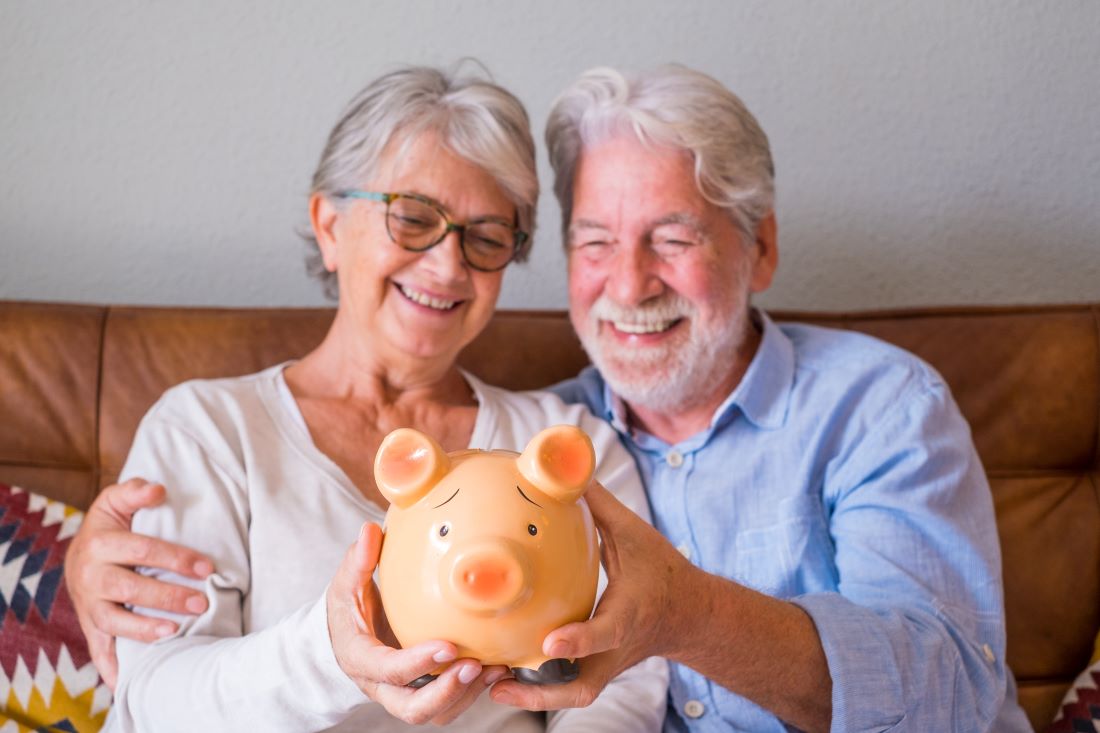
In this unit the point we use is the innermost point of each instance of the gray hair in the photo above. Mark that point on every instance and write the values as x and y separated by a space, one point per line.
670 105
474 118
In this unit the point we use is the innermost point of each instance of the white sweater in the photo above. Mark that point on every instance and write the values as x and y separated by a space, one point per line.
247 486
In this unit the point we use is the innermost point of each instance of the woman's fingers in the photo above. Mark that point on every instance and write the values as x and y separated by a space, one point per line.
488 677
445 697
355 619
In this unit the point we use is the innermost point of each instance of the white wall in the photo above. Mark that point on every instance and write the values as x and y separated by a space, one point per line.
928 153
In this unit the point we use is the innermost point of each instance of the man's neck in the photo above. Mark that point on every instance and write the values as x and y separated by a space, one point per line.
673 426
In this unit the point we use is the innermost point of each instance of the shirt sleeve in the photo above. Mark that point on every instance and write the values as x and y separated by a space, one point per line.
635 700
915 636
211 675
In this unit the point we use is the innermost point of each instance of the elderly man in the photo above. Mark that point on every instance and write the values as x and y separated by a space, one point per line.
829 558
825 554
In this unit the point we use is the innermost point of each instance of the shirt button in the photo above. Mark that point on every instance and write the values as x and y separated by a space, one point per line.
988 653
675 458
694 709
684 550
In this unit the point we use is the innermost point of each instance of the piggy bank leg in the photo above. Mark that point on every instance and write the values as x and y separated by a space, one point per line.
550 672
422 680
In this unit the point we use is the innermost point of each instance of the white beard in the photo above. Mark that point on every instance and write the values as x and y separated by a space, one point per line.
679 373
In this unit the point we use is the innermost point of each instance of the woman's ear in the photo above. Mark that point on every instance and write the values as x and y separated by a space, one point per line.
322 217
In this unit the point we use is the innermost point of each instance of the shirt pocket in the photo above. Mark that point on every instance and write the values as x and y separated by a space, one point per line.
789 556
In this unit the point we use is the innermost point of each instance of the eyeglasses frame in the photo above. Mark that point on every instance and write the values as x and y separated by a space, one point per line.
388 198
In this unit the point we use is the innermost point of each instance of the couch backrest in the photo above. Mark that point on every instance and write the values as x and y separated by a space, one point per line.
75 380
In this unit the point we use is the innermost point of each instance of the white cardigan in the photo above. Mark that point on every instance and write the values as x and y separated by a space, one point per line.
247 487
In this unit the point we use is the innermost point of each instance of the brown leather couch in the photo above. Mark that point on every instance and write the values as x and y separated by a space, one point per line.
75 380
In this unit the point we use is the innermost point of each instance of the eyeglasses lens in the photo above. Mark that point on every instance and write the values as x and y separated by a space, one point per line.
416 225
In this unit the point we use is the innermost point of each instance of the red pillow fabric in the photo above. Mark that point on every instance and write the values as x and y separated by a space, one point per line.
47 680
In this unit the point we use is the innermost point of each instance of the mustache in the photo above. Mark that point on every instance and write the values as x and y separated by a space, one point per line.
665 307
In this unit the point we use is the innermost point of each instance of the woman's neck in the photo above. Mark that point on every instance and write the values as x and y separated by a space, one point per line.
349 369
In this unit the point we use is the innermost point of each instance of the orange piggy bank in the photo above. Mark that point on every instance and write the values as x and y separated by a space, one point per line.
489 550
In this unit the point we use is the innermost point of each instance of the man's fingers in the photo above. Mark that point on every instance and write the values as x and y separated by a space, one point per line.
119 502
595 673
133 550
606 508
101 646
598 634
125 586
112 619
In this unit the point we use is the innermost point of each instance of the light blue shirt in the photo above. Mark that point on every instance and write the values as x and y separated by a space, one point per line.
840 475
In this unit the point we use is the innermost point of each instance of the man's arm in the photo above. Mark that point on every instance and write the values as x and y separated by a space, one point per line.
659 604
914 631
100 575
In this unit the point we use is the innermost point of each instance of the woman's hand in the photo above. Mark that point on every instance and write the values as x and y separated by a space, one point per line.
366 650
100 576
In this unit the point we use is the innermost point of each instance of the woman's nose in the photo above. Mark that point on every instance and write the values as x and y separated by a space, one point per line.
446 260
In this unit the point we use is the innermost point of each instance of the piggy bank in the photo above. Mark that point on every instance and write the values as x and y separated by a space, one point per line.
490 550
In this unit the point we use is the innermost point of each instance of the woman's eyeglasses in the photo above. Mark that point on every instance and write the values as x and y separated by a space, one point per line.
417 223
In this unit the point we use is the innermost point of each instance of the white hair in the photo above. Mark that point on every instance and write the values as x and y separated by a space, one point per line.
675 106
473 117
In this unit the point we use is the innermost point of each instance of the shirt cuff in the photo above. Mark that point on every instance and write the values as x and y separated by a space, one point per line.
321 673
866 680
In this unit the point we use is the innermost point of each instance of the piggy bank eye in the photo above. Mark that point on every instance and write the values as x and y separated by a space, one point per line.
532 530
443 530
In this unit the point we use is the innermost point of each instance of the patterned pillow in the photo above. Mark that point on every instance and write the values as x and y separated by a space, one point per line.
1080 711
47 680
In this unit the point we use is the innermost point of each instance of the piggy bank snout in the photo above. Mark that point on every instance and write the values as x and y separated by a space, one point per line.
486 578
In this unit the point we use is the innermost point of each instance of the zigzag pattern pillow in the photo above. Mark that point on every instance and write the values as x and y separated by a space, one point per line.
47 680
1080 711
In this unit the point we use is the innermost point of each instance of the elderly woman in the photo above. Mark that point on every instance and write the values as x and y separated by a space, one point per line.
425 192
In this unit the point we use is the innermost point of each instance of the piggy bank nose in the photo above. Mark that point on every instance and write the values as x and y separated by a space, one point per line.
487 578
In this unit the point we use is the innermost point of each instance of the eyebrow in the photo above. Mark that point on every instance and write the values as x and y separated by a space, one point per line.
526 497
492 218
452 496
677 217
680 217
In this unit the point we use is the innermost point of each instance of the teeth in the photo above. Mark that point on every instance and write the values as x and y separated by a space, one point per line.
653 327
427 300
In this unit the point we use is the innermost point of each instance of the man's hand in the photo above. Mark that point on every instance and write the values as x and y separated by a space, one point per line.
659 604
100 576
644 574
366 650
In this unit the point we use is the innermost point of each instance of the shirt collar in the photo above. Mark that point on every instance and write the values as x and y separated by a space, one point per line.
763 394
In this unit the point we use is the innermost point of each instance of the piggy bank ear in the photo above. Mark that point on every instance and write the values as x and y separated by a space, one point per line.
408 464
560 461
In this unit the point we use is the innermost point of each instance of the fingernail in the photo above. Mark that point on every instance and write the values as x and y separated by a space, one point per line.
559 649
469 673
196 604
165 630
496 676
444 655
203 568
504 698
